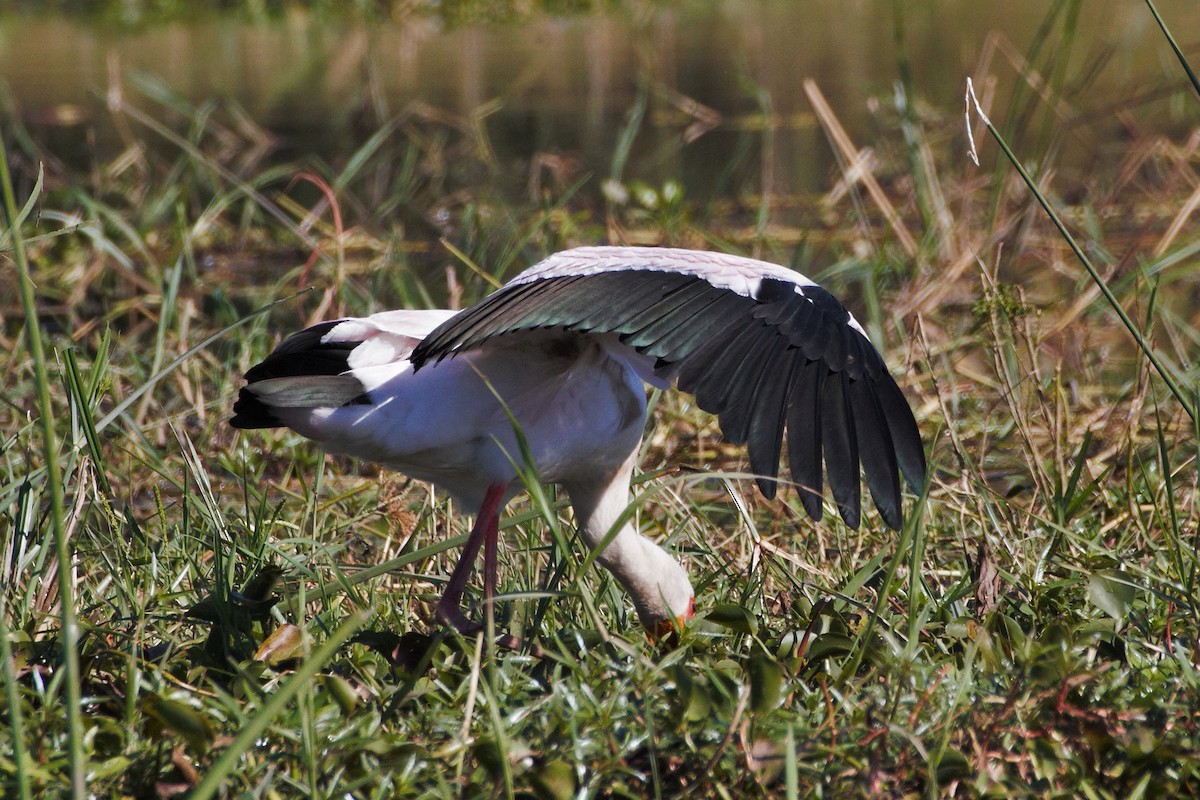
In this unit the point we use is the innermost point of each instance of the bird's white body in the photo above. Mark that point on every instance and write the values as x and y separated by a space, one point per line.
448 423
561 354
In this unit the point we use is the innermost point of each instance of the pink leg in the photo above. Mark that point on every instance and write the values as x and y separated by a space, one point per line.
490 543
486 529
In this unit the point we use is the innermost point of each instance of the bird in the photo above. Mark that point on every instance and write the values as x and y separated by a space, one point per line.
549 373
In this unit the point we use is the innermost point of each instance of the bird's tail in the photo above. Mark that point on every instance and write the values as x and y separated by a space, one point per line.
309 370
250 412
257 402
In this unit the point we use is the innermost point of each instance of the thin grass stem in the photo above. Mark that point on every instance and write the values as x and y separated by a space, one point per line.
16 720
1183 62
69 620
1160 366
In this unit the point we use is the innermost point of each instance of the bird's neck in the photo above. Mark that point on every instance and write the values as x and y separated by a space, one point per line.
657 583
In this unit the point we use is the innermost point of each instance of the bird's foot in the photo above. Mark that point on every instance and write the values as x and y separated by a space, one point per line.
455 618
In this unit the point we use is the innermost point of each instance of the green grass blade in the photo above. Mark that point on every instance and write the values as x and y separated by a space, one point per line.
16 720
360 157
30 204
791 774
629 132
909 534
69 619
255 727
1172 529
78 395
219 170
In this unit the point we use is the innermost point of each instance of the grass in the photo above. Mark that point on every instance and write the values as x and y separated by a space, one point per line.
255 617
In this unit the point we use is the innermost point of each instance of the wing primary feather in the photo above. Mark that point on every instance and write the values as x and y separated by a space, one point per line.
876 450
742 385
840 442
812 319
835 344
765 440
811 332
792 320
906 438
804 433
706 373
861 357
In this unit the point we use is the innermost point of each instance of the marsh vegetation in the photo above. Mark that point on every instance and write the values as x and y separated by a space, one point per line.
188 609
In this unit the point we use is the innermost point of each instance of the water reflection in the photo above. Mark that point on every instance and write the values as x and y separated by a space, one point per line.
715 74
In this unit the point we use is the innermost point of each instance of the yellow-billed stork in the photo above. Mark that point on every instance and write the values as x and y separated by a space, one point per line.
565 348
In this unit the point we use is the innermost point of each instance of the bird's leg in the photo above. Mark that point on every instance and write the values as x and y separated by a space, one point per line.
490 543
486 528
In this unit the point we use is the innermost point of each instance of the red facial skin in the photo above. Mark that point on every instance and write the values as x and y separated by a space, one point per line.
667 631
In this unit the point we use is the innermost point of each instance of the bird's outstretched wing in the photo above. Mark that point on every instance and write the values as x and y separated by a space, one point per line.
760 346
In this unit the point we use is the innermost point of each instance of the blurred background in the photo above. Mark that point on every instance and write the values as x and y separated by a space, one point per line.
712 85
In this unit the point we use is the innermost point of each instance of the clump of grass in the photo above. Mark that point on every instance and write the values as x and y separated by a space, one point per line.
254 617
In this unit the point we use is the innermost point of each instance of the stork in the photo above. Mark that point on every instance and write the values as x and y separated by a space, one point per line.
561 353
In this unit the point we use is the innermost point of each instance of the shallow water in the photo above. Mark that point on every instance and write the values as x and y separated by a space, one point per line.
715 75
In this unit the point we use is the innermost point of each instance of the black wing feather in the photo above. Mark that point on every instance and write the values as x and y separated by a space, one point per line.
708 375
804 433
299 355
743 383
683 311
839 438
906 438
769 413
704 335
877 451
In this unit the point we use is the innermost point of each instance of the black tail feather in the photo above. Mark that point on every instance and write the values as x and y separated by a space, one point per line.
250 412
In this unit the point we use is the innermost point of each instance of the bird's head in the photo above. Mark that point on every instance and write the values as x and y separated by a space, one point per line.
667 629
